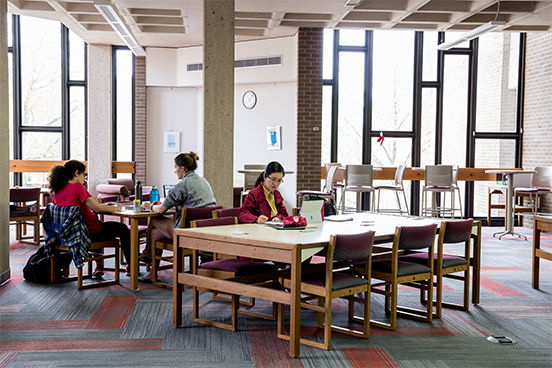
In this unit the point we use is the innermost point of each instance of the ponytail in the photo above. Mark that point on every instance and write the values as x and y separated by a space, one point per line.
61 174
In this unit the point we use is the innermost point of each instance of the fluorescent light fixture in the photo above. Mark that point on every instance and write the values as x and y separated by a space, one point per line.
474 33
353 2
110 14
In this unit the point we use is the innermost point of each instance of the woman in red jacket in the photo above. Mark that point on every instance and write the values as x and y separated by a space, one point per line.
264 202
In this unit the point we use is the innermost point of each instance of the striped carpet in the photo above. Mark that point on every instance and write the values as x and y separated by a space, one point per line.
59 326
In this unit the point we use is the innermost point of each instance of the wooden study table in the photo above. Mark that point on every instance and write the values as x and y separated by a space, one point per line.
540 224
135 239
288 246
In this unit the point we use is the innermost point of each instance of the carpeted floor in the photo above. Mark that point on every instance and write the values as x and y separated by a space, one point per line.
59 326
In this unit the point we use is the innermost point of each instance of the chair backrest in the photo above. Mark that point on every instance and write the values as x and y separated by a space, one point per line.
522 180
438 176
415 237
359 175
542 178
219 221
339 176
399 175
454 180
353 247
250 178
191 214
24 195
455 231
226 212
330 176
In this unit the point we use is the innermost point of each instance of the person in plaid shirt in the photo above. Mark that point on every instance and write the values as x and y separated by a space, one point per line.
67 186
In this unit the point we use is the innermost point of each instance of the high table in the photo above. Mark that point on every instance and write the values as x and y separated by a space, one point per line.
135 239
288 246
509 218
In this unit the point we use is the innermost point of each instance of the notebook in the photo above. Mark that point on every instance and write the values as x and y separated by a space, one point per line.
312 211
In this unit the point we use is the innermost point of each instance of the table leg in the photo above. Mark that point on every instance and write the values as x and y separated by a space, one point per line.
295 304
509 218
178 267
535 267
476 265
134 250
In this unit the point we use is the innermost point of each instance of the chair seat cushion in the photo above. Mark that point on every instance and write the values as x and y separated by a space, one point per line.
448 260
22 214
358 187
313 192
391 187
240 267
339 185
531 190
405 268
437 187
339 280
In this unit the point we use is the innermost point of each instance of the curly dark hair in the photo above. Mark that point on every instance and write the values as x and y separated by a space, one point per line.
61 174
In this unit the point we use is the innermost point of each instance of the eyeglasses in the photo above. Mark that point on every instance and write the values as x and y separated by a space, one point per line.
279 181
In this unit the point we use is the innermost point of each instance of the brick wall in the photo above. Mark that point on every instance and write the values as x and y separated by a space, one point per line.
140 117
309 108
537 119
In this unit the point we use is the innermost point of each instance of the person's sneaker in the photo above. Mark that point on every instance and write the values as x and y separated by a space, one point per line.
127 270
98 273
144 259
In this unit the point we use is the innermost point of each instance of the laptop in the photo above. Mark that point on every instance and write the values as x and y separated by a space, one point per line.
312 211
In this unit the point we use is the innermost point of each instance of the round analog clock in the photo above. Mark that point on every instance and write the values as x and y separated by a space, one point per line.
249 100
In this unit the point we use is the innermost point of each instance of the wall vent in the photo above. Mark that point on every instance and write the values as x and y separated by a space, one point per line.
243 63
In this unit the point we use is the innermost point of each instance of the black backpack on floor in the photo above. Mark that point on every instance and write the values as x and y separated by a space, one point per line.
37 268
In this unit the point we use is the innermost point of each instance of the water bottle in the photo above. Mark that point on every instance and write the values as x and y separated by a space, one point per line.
154 194
138 191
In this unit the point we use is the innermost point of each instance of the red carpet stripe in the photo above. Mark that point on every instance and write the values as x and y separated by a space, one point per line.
369 357
6 358
498 288
42 325
14 308
269 351
81 345
113 313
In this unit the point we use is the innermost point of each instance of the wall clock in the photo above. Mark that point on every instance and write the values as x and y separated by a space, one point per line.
249 100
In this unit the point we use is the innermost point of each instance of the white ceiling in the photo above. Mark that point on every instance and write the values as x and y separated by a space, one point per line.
179 23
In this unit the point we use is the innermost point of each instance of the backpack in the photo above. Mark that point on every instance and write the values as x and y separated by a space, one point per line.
38 265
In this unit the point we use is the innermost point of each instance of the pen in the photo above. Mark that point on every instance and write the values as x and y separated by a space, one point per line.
117 201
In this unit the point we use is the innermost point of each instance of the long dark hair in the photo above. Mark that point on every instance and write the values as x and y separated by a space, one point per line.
188 160
272 167
61 174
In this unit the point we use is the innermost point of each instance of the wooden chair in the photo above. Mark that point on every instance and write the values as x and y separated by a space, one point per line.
26 211
447 265
226 212
328 284
394 272
237 270
187 215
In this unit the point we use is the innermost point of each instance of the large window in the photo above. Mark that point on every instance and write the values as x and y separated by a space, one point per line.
47 97
458 107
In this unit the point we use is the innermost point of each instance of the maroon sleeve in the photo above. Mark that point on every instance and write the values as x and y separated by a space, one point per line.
248 212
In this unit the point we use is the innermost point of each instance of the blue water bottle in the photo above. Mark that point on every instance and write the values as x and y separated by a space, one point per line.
154 194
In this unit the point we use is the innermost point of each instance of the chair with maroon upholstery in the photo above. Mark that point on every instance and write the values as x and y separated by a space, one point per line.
327 284
226 212
187 215
451 232
24 211
394 272
232 268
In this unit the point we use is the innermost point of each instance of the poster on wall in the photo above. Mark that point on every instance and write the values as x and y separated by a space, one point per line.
274 138
171 141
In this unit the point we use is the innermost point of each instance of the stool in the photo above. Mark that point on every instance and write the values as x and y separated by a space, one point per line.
518 206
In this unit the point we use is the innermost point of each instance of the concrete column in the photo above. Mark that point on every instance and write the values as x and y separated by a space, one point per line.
4 149
218 110
99 116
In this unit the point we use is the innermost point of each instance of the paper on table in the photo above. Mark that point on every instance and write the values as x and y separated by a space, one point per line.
338 218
